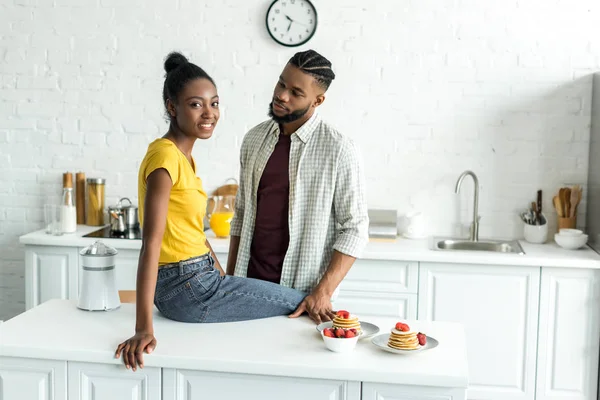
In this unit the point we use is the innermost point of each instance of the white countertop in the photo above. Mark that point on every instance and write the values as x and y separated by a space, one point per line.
544 255
277 346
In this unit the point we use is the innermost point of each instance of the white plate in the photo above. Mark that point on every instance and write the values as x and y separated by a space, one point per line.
368 329
381 341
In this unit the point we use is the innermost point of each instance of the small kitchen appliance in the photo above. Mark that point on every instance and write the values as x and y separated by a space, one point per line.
383 224
98 278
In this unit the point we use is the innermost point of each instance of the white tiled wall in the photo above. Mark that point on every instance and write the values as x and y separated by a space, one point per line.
428 88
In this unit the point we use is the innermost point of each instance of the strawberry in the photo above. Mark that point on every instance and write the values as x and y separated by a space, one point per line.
343 314
339 332
354 331
401 326
350 334
328 332
422 338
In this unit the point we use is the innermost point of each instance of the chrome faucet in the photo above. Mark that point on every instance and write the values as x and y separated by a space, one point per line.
474 232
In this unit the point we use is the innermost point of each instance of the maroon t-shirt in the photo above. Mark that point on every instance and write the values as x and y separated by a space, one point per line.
271 231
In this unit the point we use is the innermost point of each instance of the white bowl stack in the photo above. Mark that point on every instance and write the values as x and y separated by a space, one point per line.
570 239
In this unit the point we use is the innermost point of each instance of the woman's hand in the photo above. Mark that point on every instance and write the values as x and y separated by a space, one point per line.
134 348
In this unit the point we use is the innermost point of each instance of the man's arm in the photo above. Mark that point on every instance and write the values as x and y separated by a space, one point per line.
352 224
234 245
238 218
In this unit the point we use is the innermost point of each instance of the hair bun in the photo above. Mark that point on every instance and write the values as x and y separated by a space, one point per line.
174 60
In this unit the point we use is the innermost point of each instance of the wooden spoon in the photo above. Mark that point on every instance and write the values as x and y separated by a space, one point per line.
579 197
574 201
567 193
563 201
557 206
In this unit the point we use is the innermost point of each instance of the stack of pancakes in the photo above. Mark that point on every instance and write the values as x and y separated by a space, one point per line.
352 322
403 340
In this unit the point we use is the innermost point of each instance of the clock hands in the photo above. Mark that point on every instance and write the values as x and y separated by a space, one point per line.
292 21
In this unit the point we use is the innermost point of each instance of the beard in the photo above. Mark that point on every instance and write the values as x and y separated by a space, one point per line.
290 117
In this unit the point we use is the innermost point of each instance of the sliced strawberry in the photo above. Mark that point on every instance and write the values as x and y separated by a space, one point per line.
350 334
343 314
401 326
422 338
339 332
328 332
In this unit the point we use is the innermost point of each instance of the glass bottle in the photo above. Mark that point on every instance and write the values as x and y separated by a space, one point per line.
68 212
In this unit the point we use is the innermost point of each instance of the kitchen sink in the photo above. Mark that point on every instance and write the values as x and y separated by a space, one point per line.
498 246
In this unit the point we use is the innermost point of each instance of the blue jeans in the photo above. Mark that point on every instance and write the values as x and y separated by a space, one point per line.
193 291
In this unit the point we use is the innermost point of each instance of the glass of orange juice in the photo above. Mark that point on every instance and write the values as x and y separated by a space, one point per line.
221 215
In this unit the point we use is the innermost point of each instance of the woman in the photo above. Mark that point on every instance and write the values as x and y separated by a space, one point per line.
178 271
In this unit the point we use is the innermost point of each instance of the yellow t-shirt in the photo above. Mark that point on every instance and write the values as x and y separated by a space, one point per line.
184 233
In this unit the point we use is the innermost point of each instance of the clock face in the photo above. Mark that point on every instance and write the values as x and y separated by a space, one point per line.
291 22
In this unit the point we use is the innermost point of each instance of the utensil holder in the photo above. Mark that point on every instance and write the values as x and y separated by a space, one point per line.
566 223
535 233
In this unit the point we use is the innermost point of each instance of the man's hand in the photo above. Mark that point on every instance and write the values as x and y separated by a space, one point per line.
317 305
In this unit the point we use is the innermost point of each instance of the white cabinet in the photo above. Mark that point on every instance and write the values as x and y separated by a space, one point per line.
403 306
89 381
380 287
51 272
199 385
568 334
380 391
30 379
382 276
126 263
498 306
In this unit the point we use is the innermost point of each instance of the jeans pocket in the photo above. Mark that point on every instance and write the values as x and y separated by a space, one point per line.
181 305
204 284
167 288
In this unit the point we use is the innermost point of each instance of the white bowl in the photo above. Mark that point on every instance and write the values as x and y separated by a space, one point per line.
570 232
340 345
570 242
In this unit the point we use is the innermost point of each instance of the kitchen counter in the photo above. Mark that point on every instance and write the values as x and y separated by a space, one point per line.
546 255
279 346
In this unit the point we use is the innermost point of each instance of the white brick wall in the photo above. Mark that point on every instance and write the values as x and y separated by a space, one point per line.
428 88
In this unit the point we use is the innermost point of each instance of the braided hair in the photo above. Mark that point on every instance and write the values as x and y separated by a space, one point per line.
178 72
314 64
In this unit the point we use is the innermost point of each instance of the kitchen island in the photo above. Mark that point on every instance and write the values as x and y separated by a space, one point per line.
56 351
546 301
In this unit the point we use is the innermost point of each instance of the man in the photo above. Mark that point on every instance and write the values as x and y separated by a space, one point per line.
301 213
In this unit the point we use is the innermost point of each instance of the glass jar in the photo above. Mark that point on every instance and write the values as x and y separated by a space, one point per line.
95 201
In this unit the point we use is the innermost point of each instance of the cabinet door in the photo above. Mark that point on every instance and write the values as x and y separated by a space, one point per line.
498 306
199 385
50 273
381 391
126 269
402 306
23 378
381 276
569 334
88 381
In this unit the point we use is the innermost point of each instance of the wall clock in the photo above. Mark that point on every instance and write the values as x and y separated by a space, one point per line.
291 22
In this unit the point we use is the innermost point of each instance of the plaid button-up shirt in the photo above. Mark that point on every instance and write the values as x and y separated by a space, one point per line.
327 202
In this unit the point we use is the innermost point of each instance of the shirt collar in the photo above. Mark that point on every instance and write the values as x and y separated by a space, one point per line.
305 132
